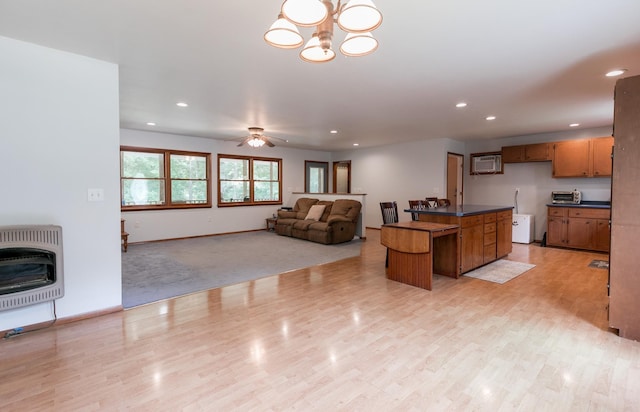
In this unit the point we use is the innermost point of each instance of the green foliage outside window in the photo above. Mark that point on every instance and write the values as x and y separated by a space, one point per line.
145 185
247 180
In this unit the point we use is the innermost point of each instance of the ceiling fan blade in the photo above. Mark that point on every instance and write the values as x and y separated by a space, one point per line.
268 142
245 140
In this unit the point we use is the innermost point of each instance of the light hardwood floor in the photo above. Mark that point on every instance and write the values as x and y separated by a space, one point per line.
343 337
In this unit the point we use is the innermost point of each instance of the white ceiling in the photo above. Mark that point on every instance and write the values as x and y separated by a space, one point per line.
537 65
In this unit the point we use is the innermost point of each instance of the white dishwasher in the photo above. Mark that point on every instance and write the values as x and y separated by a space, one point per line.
522 228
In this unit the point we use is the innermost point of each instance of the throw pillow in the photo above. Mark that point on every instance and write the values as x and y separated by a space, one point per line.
315 213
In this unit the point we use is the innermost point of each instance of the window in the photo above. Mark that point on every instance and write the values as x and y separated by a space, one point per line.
164 179
246 180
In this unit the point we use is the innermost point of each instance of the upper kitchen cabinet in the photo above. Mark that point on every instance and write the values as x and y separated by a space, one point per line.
538 152
583 158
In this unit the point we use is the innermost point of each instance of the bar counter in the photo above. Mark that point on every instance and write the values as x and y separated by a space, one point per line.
464 210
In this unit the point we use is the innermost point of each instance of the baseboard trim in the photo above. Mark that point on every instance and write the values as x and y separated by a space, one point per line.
61 321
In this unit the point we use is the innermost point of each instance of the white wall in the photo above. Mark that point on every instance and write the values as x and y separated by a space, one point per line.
399 172
170 224
59 122
533 179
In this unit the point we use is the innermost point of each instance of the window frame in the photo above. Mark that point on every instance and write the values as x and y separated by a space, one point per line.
167 180
251 180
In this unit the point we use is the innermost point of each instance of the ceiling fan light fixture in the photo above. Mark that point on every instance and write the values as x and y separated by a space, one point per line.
358 44
283 34
359 16
256 142
304 13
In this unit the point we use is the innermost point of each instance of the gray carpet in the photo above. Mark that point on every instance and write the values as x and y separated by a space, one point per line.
161 270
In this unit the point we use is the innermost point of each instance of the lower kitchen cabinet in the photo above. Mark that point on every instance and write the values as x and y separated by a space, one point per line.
484 237
578 228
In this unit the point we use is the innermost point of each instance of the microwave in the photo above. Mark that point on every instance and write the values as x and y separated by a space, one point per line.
573 197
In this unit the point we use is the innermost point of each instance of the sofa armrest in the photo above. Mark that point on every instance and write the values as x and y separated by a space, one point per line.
337 218
286 214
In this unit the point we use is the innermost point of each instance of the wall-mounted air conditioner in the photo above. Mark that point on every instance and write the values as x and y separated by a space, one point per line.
486 163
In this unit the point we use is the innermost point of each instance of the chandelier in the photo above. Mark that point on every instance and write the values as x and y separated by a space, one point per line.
356 17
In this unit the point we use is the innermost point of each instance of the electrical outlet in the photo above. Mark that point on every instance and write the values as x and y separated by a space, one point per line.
517 190
95 195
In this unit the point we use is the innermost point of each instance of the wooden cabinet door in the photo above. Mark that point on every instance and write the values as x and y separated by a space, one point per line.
537 152
602 236
571 158
504 233
580 233
601 152
513 154
472 246
556 231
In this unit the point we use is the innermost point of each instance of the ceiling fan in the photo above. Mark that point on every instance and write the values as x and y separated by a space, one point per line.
257 138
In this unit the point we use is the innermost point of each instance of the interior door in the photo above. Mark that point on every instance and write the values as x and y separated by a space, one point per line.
342 176
455 164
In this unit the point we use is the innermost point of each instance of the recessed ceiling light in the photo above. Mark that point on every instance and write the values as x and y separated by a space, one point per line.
182 104
491 118
461 104
616 72
333 131
574 125
356 144
151 124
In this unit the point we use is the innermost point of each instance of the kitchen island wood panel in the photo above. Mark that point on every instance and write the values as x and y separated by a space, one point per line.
417 250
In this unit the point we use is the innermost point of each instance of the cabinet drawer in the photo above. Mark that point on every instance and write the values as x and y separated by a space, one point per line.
589 213
557 211
468 221
489 253
490 238
489 228
504 215
489 217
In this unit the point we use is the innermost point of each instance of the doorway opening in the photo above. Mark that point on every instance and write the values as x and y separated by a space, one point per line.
342 176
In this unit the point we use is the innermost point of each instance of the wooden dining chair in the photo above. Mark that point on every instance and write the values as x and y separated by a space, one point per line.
417 204
389 215
431 202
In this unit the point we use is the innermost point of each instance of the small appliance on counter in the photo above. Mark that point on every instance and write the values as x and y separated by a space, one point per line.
573 197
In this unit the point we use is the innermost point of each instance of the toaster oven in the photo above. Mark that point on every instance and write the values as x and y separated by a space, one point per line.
573 197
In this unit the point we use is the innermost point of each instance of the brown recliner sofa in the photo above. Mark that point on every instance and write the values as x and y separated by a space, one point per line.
336 224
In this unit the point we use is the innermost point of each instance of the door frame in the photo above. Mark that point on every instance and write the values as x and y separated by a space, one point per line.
455 180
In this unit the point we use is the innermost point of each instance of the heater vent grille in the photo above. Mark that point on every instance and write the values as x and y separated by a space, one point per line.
31 298
34 279
42 235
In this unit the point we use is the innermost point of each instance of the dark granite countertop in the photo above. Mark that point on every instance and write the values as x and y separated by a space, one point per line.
594 204
464 210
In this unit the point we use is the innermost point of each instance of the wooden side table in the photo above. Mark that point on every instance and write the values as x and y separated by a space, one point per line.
124 236
271 224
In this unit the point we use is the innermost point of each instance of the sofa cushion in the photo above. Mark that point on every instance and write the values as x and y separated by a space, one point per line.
327 210
302 224
302 206
347 208
315 212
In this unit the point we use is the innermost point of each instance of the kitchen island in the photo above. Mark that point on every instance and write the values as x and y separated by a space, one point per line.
485 231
